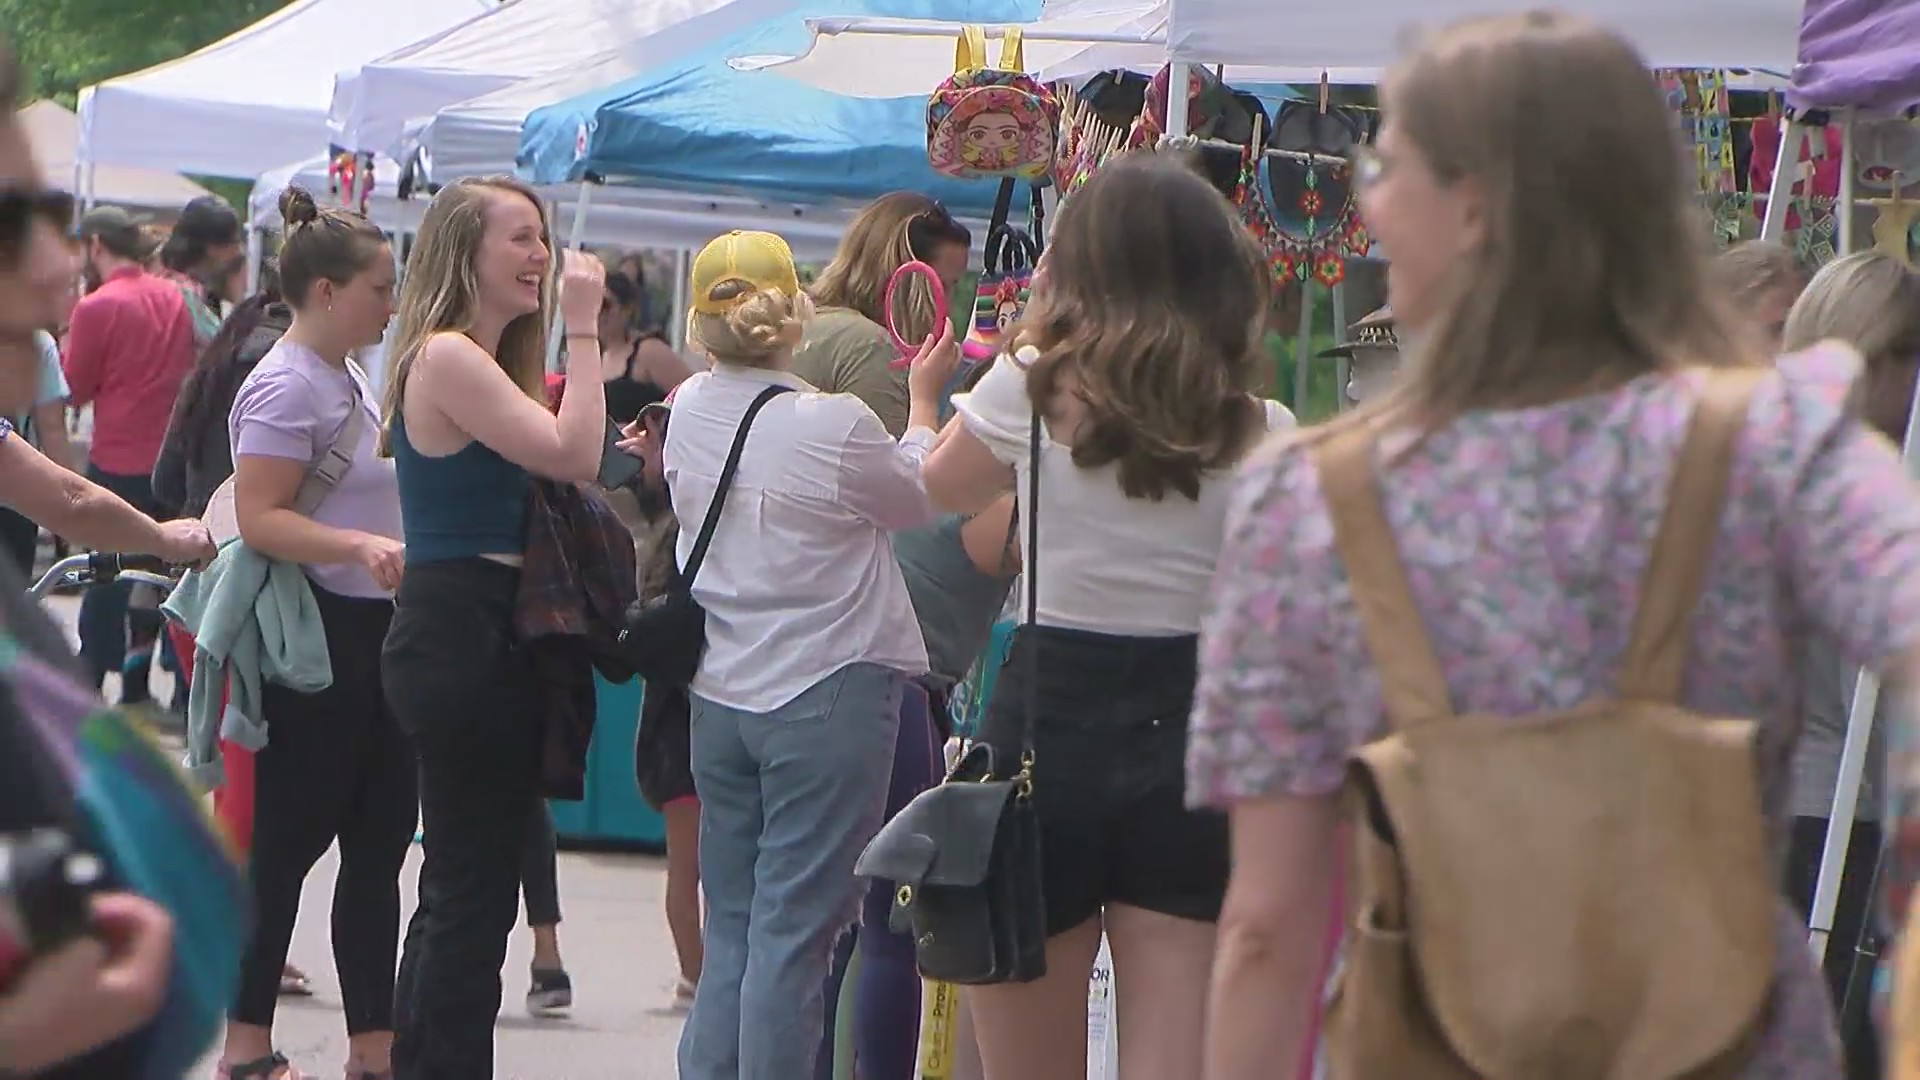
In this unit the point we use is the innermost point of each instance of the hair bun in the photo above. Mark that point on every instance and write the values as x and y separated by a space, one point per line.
297 207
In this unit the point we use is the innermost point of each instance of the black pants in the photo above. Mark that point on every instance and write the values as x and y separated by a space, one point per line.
1109 773
1853 946
540 869
464 693
112 637
335 767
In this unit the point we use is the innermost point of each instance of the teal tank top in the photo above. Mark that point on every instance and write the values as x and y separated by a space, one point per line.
472 502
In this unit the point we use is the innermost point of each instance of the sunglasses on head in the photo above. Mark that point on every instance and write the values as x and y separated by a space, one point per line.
21 207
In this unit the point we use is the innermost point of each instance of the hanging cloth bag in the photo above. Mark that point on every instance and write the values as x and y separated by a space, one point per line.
1006 276
991 121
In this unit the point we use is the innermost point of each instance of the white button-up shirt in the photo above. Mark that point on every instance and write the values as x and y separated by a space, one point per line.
800 579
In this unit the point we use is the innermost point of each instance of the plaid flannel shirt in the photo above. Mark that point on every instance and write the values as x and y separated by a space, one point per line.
576 583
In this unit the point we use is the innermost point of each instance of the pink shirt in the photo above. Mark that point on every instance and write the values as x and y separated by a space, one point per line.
129 347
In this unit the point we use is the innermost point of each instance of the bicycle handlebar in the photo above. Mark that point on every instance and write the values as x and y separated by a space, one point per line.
105 565
95 567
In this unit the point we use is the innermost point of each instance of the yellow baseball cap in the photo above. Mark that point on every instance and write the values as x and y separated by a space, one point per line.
761 259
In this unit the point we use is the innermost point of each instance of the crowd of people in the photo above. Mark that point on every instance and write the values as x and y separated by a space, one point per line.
1215 622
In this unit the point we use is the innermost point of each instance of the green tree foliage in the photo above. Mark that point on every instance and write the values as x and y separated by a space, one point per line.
64 45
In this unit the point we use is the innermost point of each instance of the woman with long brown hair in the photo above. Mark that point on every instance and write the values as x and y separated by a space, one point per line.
468 427
846 349
1550 267
1132 372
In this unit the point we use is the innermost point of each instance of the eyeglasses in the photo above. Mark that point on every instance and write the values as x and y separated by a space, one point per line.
20 207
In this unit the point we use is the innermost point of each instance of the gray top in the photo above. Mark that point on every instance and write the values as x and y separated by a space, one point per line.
955 603
1826 695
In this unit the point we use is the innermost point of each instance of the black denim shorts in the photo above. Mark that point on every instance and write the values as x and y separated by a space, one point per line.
1110 747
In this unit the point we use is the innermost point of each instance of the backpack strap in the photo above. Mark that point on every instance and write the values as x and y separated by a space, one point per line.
1412 686
1656 657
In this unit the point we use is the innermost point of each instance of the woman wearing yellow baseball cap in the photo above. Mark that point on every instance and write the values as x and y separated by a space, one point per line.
811 638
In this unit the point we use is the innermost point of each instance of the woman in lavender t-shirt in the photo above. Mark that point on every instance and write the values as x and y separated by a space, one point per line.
336 765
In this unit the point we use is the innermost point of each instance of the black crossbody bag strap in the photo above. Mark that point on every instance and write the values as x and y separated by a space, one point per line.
720 490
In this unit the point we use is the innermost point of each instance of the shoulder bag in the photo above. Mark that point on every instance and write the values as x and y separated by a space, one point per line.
664 637
965 856
324 473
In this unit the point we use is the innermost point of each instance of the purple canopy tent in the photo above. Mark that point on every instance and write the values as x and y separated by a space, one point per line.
1858 54
1856 57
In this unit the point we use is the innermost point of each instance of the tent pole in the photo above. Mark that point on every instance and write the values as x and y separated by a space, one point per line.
256 255
677 329
1853 753
1177 99
1793 135
1303 350
1341 370
576 235
1844 244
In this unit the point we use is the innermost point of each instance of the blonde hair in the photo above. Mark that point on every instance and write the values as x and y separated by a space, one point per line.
1752 269
879 241
1871 301
441 290
1593 265
1152 319
760 326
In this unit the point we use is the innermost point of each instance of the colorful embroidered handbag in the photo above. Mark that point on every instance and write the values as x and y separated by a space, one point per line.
991 121
1005 277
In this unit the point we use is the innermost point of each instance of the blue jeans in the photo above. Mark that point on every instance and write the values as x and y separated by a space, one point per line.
788 800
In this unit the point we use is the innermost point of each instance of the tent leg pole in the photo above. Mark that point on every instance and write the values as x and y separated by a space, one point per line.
576 235
1341 369
1843 245
1177 107
1303 351
1793 135
1853 755
677 328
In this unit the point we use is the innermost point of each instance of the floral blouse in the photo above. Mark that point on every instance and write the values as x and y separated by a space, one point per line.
1525 535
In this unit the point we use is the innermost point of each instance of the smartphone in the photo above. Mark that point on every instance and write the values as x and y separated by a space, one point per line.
617 467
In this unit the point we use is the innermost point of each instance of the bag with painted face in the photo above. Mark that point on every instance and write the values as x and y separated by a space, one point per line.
991 121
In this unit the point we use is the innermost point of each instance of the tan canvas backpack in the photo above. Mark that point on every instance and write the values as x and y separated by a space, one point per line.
1584 895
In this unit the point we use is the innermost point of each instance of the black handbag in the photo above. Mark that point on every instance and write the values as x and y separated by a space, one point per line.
964 857
664 637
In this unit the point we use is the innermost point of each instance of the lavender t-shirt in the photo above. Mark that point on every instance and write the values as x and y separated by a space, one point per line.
293 405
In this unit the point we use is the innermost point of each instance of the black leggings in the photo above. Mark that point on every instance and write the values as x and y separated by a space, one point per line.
540 869
335 766
466 696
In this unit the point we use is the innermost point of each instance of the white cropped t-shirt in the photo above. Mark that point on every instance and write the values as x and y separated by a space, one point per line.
1108 564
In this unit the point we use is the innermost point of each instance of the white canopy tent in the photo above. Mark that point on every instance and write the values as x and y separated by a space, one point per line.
1349 43
376 107
54 134
256 98
659 219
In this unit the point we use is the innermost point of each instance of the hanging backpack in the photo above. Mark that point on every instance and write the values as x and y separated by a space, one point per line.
991 122
1006 276
1583 894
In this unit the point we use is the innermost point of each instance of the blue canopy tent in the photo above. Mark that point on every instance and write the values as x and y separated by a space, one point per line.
701 124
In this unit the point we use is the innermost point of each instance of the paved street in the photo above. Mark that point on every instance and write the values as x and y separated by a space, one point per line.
616 946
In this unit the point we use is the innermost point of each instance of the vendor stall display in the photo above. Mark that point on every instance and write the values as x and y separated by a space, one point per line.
1297 195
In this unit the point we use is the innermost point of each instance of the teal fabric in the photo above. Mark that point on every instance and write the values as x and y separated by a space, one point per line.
253 619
